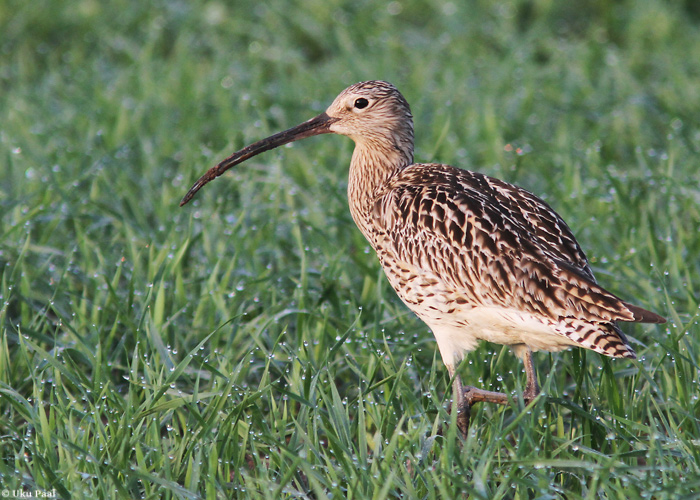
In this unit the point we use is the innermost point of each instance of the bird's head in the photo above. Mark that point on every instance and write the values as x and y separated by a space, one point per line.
374 114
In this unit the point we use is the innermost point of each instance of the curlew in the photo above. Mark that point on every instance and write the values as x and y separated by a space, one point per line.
476 258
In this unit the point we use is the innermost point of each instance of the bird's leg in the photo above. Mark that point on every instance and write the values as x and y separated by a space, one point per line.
458 401
463 408
465 397
532 388
471 395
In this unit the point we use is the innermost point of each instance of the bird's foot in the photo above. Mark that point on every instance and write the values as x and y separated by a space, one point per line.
530 393
470 396
462 421
463 417
475 395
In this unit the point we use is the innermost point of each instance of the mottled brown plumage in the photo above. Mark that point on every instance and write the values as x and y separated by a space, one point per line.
474 257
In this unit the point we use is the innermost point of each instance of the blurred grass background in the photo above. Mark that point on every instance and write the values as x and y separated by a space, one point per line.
248 345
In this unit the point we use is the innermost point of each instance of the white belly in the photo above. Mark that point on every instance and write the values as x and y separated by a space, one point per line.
461 332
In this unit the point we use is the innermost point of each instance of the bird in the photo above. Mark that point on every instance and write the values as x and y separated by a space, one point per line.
474 257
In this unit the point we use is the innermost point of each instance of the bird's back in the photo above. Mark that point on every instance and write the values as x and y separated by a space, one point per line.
455 243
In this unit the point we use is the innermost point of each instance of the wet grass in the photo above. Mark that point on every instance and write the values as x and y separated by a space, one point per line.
248 345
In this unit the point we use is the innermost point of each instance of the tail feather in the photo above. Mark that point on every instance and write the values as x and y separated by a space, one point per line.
603 338
644 316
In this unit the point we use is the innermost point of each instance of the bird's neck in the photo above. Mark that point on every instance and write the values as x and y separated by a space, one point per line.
372 167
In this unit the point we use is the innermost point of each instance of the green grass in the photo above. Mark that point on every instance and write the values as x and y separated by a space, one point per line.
248 345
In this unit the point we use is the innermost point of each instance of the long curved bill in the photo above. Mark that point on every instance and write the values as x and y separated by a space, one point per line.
318 125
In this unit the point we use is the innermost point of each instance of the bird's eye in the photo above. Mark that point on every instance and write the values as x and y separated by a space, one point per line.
361 103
